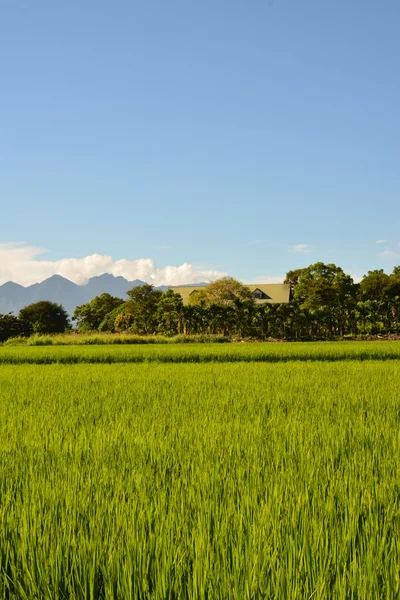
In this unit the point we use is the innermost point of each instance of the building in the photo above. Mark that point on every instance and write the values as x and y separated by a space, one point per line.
263 293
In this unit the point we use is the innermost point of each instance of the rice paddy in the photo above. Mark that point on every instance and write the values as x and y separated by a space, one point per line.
201 353
221 478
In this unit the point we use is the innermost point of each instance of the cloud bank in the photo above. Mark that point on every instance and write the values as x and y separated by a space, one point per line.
22 264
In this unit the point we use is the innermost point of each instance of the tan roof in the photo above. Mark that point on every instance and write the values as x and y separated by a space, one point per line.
273 293
186 290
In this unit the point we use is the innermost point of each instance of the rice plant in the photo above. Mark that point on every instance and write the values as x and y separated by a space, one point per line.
201 353
239 481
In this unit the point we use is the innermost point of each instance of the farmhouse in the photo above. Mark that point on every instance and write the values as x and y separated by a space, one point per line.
263 293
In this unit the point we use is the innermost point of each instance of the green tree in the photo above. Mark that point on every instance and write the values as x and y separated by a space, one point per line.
199 298
243 316
384 292
292 277
44 317
393 288
369 317
262 319
224 291
218 318
373 286
195 319
108 323
323 285
328 293
143 303
169 313
10 326
90 316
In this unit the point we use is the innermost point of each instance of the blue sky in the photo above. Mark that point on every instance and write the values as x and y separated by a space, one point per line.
240 137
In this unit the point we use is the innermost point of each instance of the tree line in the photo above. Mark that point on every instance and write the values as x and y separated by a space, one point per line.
325 303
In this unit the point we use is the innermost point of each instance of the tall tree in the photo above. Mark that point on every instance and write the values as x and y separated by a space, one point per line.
109 322
90 316
195 319
143 304
169 313
224 291
292 277
243 316
44 317
327 291
10 326
199 298
323 285
373 286
393 287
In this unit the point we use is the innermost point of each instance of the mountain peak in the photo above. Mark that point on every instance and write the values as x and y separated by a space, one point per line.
57 277
56 280
105 277
109 278
11 285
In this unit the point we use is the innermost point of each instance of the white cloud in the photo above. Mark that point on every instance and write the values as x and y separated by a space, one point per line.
300 248
161 247
22 264
381 241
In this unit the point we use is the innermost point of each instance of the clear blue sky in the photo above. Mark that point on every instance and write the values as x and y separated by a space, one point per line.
205 127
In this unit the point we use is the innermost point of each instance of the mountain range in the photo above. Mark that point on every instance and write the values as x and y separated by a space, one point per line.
58 289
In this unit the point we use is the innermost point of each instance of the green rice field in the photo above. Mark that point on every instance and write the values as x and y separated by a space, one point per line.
186 472
201 353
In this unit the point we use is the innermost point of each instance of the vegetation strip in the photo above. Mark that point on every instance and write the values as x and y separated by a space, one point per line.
320 301
202 353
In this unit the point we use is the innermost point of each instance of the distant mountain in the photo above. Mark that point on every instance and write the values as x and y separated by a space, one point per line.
12 295
58 289
107 283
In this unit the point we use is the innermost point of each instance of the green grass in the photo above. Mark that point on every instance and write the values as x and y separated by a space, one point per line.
202 353
97 339
217 481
